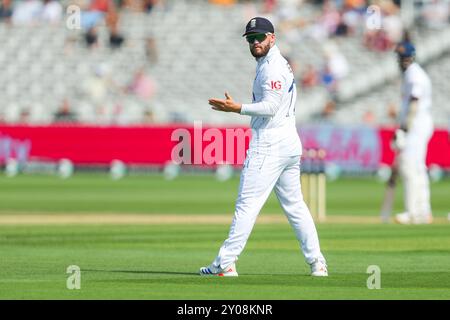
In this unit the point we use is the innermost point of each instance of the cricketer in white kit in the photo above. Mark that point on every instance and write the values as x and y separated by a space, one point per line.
416 129
273 158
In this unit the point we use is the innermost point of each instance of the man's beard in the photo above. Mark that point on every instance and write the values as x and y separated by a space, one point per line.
404 65
265 50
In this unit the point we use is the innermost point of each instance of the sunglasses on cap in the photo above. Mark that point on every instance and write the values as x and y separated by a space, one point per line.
258 36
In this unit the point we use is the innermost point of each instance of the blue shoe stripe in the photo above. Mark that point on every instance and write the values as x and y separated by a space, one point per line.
206 271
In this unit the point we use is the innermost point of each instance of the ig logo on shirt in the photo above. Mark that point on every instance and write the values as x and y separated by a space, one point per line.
275 85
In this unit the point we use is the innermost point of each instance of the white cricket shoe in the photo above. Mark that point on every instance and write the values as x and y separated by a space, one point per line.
425 219
406 218
319 268
213 270
403 218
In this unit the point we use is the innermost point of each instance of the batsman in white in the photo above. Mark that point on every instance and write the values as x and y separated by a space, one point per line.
411 139
273 158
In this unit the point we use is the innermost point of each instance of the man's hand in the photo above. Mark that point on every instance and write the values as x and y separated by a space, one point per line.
399 140
227 105
394 174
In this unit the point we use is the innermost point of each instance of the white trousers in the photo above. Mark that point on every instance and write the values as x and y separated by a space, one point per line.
260 175
414 171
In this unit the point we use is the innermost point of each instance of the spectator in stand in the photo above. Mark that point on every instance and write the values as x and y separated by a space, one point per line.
436 14
336 68
115 38
392 24
392 112
149 5
95 12
354 18
336 61
324 26
104 6
369 118
149 116
146 6
65 114
342 29
269 5
151 49
112 21
91 38
330 17
310 77
328 110
26 12
358 5
290 21
328 80
223 2
384 39
6 11
98 86
377 40
51 12
24 115
142 85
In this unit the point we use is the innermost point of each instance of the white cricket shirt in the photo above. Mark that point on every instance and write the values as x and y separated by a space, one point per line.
273 108
416 84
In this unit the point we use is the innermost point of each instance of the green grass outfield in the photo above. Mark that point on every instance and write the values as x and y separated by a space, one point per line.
97 193
161 261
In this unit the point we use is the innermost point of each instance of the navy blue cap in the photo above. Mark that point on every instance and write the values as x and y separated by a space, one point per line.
258 25
405 50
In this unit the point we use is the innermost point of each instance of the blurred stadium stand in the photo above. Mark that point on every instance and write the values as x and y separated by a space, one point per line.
178 53
373 107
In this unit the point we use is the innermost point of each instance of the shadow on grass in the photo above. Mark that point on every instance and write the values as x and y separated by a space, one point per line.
145 272
390 280
190 273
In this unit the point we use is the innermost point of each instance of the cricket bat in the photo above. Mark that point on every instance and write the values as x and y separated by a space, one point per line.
389 196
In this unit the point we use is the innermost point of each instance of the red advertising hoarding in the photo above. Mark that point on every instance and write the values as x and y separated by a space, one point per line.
155 144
